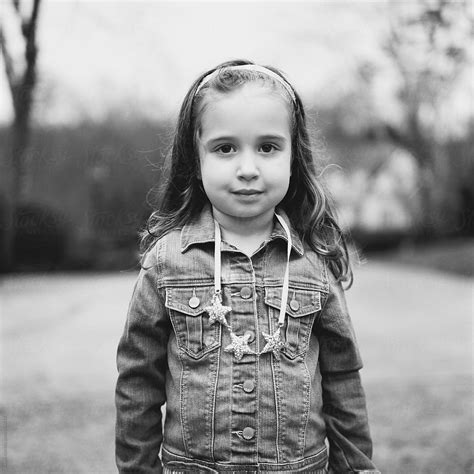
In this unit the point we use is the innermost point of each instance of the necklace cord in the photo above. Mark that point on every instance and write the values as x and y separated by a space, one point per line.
217 258
286 278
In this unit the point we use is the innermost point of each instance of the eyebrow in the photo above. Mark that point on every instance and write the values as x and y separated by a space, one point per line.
273 137
224 138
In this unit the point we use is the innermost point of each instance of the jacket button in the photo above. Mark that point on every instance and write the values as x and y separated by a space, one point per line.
246 292
249 386
251 335
194 302
248 433
294 305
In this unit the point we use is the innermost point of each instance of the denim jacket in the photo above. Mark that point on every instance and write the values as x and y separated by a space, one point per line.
261 413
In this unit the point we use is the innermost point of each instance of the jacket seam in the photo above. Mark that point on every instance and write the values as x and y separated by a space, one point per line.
308 400
328 293
218 464
183 409
343 455
278 409
257 347
214 396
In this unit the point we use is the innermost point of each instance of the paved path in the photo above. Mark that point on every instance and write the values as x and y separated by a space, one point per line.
59 337
412 323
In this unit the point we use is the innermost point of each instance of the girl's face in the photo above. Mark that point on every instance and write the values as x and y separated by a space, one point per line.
245 153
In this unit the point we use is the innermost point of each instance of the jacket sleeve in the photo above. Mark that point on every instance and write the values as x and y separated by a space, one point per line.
142 366
344 406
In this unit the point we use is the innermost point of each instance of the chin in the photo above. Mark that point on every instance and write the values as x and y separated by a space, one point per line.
251 214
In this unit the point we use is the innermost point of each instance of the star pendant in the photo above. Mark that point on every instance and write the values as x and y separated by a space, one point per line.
274 343
239 345
217 311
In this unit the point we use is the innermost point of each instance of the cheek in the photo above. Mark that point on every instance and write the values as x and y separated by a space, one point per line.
286 170
209 169
285 178
280 178
210 173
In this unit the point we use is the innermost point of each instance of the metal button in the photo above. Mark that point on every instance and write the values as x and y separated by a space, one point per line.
246 292
248 433
251 335
294 305
249 386
209 340
194 302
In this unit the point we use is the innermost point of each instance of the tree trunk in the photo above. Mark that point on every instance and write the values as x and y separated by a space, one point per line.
13 172
22 88
7 211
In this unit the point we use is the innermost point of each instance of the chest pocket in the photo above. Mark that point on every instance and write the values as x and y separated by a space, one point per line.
194 334
301 310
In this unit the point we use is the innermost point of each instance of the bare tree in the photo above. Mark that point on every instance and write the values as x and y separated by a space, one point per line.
429 46
22 78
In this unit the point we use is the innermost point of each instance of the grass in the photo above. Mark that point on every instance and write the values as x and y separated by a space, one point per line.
62 435
422 427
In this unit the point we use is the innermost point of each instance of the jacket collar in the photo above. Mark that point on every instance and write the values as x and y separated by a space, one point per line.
200 230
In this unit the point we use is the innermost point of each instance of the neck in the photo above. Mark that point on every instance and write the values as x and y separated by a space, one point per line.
245 233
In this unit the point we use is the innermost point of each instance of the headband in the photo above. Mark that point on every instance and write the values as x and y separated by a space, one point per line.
249 67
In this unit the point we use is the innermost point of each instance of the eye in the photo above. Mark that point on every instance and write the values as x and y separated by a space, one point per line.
268 148
225 149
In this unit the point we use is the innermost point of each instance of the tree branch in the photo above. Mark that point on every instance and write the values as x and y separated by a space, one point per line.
28 26
9 69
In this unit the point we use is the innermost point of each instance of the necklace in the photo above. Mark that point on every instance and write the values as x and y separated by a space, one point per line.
217 311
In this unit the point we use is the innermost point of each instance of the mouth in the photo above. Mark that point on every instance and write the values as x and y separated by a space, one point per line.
247 192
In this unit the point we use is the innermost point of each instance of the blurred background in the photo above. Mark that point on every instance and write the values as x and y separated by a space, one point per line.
89 95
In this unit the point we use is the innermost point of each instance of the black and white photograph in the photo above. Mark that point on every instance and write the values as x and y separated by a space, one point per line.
236 236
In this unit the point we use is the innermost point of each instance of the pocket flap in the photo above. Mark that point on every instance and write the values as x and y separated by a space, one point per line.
190 301
300 302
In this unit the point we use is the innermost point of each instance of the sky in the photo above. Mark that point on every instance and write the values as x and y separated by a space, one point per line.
96 55
103 58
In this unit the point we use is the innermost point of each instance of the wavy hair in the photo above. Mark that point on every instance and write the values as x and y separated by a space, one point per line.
306 203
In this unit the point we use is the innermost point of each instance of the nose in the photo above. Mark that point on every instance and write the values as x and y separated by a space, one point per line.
247 168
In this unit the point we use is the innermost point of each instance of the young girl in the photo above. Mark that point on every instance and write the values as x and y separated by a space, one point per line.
238 319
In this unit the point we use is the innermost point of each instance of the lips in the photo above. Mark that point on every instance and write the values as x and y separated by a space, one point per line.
247 192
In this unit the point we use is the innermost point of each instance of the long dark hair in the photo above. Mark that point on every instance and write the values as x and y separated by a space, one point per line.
307 203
